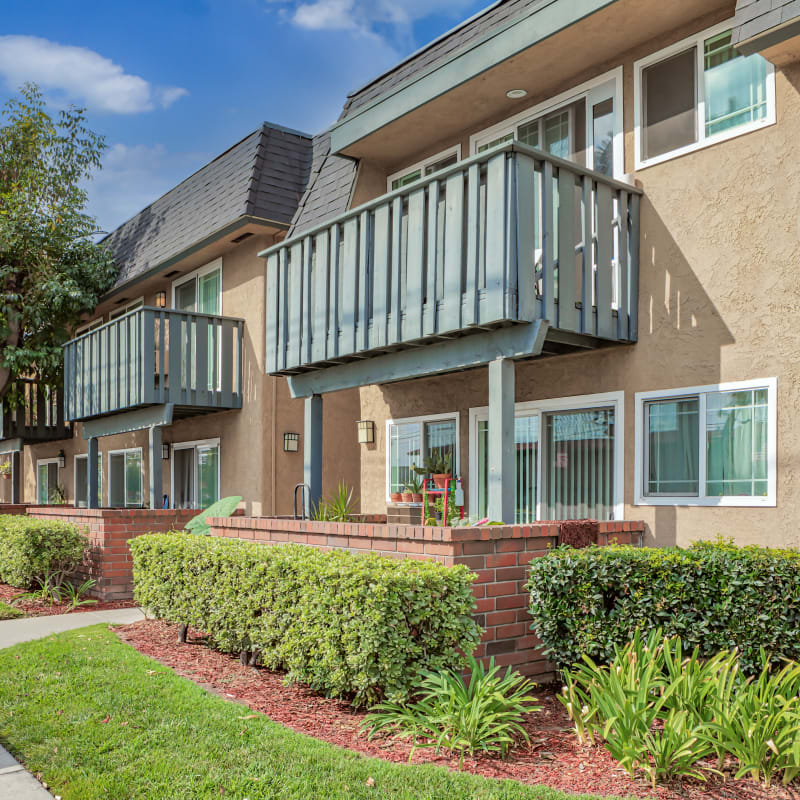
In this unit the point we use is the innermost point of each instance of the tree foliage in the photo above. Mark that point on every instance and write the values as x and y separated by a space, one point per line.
51 271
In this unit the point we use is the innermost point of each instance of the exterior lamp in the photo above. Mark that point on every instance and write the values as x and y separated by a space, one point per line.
291 442
161 299
165 451
516 94
62 459
366 431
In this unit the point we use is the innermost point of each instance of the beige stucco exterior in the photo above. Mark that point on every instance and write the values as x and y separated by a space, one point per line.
253 463
718 299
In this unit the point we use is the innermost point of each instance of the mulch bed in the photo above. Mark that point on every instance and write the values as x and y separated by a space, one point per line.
553 757
40 608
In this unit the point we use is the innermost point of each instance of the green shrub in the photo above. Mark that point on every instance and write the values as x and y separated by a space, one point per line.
38 551
357 626
712 595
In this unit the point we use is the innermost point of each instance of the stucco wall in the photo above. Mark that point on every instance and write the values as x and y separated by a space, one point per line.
252 461
719 296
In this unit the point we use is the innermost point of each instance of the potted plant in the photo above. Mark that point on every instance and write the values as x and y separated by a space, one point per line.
408 497
415 487
439 467
5 469
396 497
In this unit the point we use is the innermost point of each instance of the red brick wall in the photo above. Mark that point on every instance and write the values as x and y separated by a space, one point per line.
497 554
108 560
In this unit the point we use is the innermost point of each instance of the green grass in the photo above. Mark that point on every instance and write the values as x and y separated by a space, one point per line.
9 612
167 738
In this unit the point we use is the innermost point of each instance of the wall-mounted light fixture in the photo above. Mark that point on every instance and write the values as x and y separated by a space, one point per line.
62 459
165 451
291 442
366 431
161 299
516 94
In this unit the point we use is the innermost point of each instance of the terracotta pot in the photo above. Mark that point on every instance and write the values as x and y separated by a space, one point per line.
416 498
408 497
396 497
440 479
7 476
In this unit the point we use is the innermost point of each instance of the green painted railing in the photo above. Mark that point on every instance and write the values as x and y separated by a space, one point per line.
36 413
511 235
152 356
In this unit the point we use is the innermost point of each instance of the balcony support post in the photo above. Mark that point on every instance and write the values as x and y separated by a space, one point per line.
502 465
16 477
91 474
156 484
312 451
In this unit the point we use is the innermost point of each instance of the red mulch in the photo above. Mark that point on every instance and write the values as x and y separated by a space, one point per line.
40 608
553 757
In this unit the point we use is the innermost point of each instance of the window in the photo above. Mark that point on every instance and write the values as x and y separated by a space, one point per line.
195 474
89 326
424 168
125 478
47 488
697 92
569 458
122 310
412 441
82 480
583 124
710 445
201 291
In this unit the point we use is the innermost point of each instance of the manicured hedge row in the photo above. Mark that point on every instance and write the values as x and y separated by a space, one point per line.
714 595
33 549
357 626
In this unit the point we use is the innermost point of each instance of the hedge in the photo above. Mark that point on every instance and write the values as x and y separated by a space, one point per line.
348 625
33 550
714 595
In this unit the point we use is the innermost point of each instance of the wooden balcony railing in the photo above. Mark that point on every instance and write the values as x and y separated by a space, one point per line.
511 235
153 356
38 414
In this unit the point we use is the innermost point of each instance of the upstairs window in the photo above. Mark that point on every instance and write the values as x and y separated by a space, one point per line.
424 168
699 91
123 309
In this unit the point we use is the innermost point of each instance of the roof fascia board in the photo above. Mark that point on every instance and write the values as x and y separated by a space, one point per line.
462 66
769 37
191 250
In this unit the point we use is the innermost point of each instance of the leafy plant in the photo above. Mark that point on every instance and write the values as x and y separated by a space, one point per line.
222 508
439 462
356 626
338 508
9 612
58 496
74 596
438 508
5 468
482 713
415 485
48 589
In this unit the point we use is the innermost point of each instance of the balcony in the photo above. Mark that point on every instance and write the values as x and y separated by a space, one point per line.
154 356
37 417
508 237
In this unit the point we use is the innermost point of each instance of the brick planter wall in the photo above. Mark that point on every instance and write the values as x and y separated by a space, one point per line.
497 554
109 558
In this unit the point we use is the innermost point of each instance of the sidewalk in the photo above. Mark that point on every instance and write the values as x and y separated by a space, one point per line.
16 783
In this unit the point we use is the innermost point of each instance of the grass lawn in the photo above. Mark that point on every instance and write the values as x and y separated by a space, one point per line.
99 721
9 612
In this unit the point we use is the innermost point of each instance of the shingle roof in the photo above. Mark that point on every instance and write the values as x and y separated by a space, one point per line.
330 185
756 17
264 175
494 17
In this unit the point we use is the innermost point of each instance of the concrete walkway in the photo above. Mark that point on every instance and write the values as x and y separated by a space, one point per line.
14 631
16 783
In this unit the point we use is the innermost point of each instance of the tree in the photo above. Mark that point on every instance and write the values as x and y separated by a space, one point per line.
51 271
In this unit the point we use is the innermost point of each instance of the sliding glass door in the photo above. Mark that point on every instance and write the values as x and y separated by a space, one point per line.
195 477
125 479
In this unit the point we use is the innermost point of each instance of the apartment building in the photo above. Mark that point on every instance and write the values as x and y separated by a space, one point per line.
567 260
165 401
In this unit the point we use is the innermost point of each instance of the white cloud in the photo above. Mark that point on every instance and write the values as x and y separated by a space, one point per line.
80 75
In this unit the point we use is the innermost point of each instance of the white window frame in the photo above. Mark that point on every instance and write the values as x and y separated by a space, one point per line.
421 165
120 452
195 275
555 404
55 461
695 40
87 327
552 104
641 499
187 446
126 309
451 415
77 457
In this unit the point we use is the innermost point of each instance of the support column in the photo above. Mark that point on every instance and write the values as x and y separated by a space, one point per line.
156 484
312 450
502 465
16 477
91 474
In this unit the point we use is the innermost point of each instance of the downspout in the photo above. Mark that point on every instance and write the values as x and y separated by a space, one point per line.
274 449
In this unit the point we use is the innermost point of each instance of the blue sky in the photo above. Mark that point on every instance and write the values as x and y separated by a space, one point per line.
172 84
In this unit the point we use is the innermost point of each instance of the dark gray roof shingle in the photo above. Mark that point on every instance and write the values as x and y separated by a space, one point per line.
264 175
756 17
330 185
